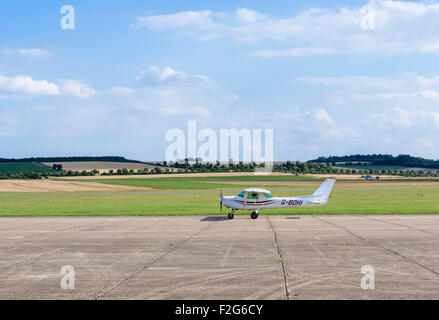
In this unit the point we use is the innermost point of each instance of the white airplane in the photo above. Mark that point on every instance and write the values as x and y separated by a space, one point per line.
256 199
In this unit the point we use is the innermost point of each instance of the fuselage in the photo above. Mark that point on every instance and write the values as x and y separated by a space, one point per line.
237 203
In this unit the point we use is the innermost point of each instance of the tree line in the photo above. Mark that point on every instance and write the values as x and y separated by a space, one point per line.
71 159
404 160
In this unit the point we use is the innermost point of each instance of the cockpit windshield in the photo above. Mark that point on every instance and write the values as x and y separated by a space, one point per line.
268 195
254 195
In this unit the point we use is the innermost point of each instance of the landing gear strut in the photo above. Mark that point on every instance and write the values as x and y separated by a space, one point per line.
231 214
254 214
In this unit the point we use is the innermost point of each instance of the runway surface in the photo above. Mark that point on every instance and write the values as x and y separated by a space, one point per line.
193 257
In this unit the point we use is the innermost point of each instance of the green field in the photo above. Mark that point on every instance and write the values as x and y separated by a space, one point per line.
358 201
21 167
196 183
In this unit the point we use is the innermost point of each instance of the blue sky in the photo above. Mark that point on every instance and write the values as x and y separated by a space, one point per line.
131 70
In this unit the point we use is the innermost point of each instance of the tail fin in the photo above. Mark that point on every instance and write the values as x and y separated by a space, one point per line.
324 190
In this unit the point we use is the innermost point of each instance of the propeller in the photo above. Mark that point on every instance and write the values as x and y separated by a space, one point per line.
221 200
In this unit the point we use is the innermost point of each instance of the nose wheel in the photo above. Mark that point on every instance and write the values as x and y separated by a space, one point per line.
230 215
254 215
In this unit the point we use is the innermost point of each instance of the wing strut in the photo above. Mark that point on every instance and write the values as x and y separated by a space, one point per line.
245 198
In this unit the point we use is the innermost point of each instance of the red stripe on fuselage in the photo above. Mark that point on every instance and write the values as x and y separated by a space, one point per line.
255 202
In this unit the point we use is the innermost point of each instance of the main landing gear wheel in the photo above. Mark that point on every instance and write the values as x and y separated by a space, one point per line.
254 215
230 215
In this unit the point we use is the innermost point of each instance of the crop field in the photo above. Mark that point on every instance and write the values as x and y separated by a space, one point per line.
102 166
193 196
21 167
371 166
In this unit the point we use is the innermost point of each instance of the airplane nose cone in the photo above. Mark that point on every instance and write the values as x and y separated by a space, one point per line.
220 199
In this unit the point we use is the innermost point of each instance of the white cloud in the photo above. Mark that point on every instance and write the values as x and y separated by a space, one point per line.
365 82
322 115
19 85
244 15
160 75
168 99
121 90
303 133
408 87
35 53
25 84
197 112
197 19
404 118
76 88
169 92
296 52
396 116
290 114
432 94
230 97
314 122
399 28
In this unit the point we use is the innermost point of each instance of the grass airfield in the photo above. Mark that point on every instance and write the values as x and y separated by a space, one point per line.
198 196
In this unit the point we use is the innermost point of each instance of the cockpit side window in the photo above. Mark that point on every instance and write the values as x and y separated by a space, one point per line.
252 196
241 194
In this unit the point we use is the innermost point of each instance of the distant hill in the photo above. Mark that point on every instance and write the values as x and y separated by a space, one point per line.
403 160
22 167
71 159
